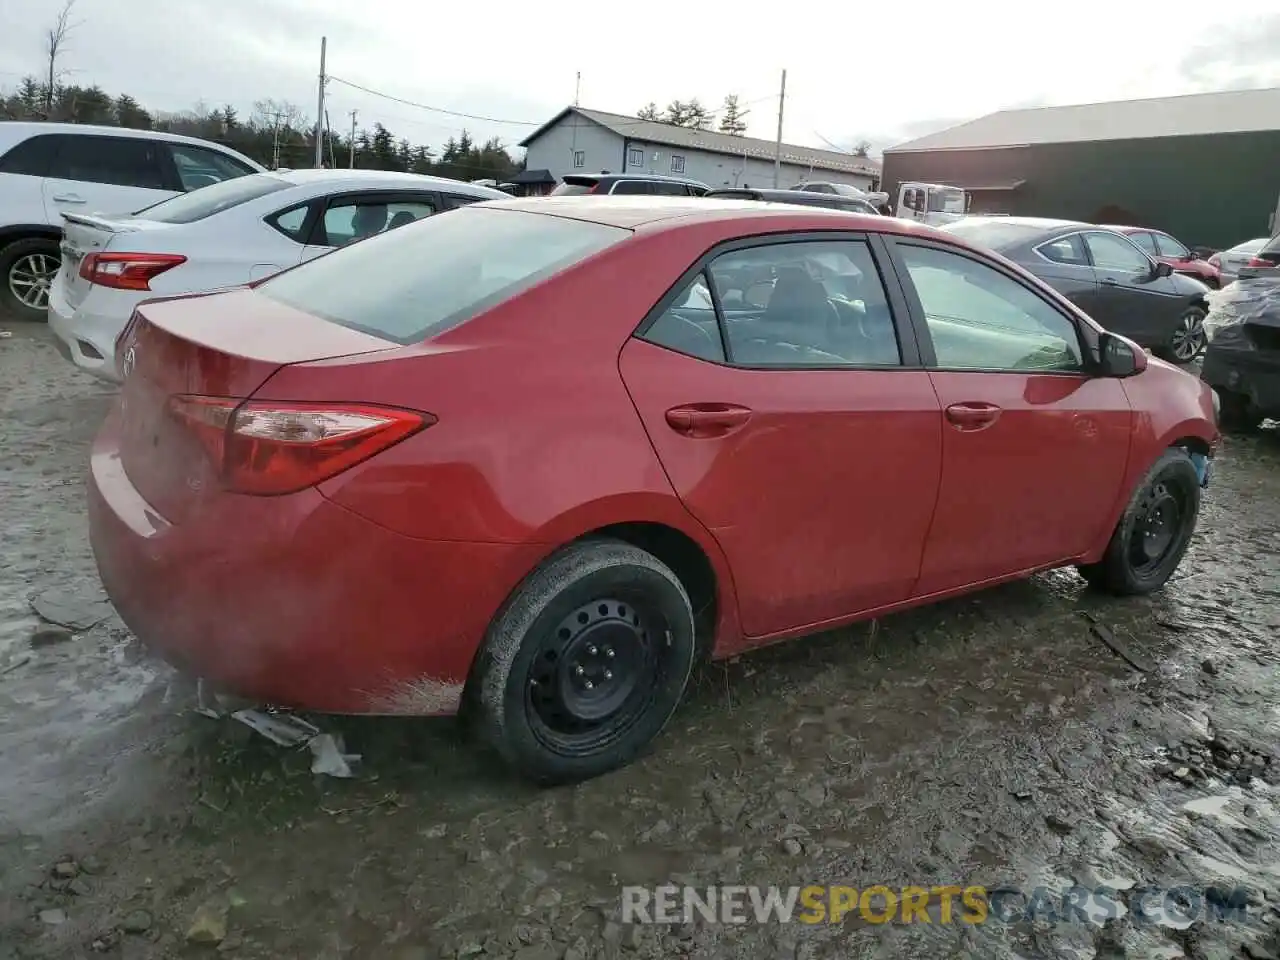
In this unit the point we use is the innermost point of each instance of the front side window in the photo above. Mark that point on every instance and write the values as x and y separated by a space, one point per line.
408 285
190 207
1170 247
118 161
200 167
981 319
1069 250
1111 251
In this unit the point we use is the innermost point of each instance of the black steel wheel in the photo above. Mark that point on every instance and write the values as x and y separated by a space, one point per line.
586 663
1154 532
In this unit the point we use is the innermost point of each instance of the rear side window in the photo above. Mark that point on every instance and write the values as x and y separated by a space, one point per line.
574 187
119 161
200 167
632 187
205 202
408 285
668 189
31 157
1146 241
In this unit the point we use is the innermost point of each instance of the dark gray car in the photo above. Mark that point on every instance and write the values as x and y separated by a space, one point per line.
1105 274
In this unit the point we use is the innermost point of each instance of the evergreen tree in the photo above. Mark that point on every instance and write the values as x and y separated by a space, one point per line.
733 118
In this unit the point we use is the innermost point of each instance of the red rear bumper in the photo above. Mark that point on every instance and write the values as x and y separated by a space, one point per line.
295 601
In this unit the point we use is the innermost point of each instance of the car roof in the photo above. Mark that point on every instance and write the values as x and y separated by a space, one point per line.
1047 224
30 128
634 176
1128 228
338 179
637 212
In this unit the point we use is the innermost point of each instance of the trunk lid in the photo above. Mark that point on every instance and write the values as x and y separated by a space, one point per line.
219 345
83 234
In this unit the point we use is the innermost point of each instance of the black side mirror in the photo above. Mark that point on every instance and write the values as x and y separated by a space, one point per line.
1118 357
1162 270
1195 255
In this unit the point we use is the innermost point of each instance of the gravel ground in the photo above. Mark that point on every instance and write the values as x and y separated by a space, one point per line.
992 740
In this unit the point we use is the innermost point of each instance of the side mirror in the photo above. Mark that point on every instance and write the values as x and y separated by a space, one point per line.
1195 255
1163 270
1120 357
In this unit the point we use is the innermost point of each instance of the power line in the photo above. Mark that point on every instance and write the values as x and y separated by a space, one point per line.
424 106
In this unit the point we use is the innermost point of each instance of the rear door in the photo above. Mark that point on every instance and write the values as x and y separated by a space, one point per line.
348 217
1063 263
1132 300
1034 447
109 175
793 424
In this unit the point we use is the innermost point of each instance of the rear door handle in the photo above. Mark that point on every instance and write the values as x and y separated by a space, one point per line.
68 198
972 415
707 419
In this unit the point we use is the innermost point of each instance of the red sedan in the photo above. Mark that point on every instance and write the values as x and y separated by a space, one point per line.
1166 249
540 457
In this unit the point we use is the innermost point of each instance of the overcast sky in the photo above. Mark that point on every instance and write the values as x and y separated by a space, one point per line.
852 73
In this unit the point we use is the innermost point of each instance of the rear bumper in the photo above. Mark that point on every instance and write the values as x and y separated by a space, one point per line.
1249 373
295 601
87 334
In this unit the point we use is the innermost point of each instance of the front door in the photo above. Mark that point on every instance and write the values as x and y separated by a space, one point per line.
1034 447
785 419
1132 300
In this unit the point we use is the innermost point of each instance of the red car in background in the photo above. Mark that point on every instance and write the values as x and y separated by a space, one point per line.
1176 254
539 458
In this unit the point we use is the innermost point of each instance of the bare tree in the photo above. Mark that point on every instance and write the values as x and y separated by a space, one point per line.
55 42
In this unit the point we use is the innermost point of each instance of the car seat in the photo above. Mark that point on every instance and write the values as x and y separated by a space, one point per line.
400 219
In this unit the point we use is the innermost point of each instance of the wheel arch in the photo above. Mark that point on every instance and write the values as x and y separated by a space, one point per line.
28 231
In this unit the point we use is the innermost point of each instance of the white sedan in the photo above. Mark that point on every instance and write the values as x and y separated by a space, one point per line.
224 235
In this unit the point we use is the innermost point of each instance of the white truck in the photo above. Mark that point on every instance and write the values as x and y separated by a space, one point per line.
931 203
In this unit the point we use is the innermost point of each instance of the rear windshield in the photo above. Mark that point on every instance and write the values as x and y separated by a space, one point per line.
416 282
575 186
206 201
993 234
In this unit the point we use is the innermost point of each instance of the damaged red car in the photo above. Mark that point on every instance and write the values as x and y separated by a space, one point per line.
536 459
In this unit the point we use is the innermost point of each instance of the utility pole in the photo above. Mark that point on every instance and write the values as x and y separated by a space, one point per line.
324 42
577 88
353 140
328 138
777 149
275 139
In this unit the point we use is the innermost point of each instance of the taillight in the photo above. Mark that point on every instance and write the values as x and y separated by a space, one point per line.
1258 262
127 271
268 448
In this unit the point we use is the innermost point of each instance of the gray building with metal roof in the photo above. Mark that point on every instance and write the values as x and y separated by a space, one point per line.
1203 167
577 140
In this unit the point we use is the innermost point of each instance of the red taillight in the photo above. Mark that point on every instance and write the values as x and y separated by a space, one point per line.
268 448
127 271
1258 262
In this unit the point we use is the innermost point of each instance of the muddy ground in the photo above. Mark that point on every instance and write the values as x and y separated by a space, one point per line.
992 740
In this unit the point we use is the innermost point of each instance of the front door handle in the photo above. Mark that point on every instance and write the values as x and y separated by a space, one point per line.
68 198
973 415
703 420
1109 281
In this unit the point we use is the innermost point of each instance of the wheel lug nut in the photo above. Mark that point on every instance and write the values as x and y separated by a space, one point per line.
592 650
608 674
578 671
608 652
588 684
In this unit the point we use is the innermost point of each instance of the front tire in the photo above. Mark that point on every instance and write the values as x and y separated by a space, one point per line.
1188 339
1153 533
586 662
27 269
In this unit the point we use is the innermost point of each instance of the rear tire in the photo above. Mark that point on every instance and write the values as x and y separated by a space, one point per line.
586 662
27 269
1153 533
